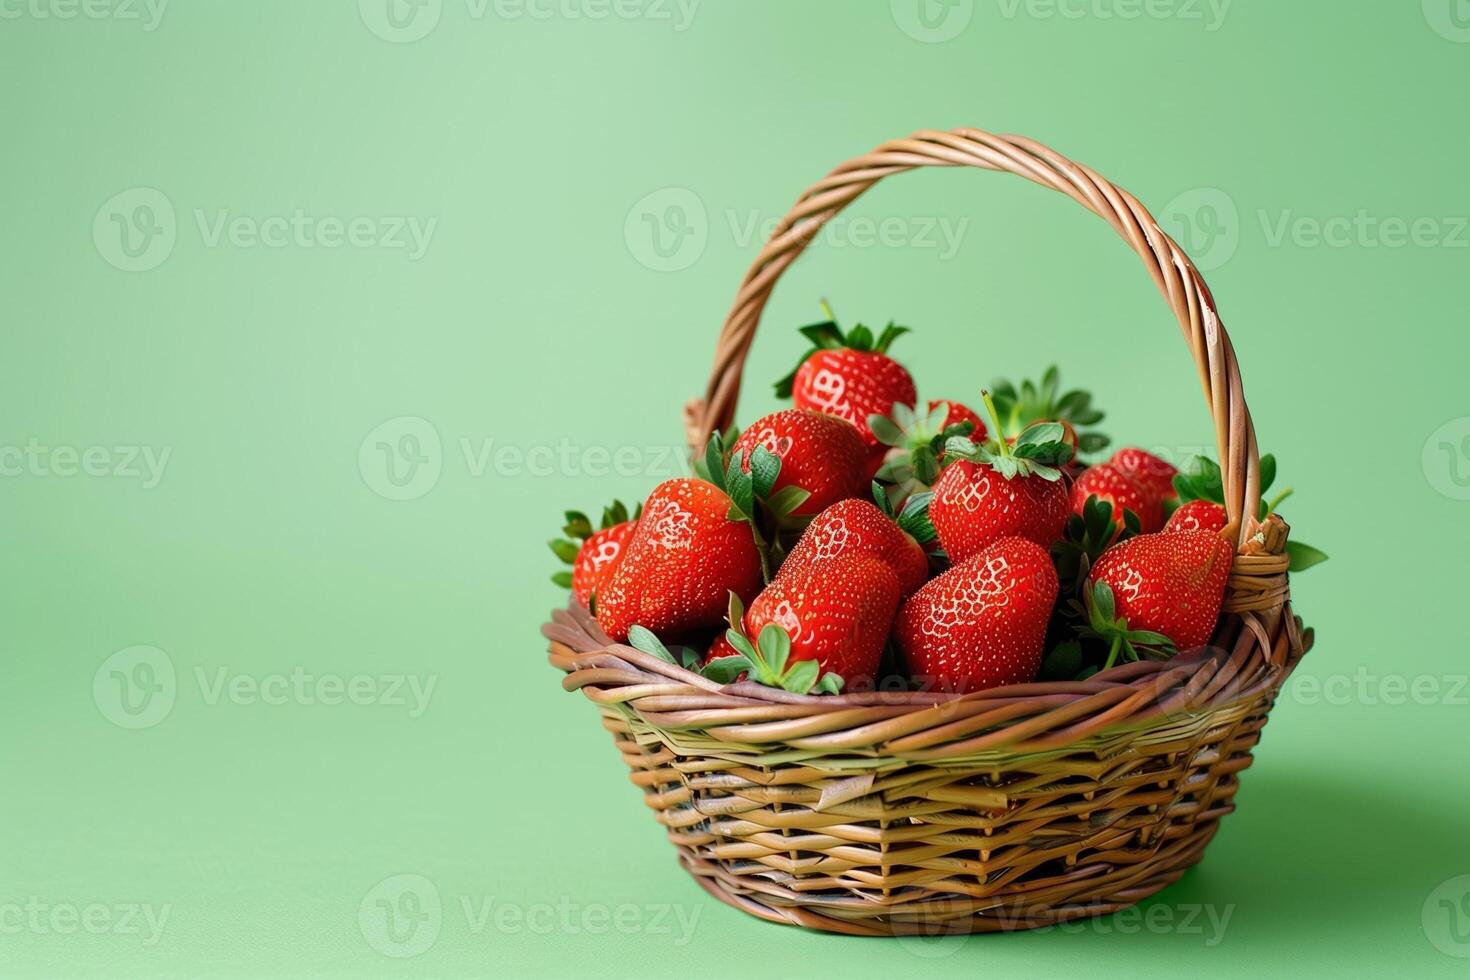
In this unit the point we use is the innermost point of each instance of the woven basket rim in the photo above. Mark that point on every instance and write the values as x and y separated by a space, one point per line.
1039 717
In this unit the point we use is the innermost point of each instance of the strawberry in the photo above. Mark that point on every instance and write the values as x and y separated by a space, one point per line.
1107 482
720 648
857 527
1198 515
598 553
821 454
988 493
1169 584
691 549
835 612
982 623
849 375
1153 474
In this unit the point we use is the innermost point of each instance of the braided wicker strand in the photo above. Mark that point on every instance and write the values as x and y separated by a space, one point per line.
922 813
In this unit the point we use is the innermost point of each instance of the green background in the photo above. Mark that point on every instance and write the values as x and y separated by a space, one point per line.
540 314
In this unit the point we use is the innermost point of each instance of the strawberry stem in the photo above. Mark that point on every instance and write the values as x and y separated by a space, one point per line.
1113 653
1000 433
827 310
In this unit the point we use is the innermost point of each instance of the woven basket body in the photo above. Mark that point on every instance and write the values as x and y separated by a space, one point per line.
915 813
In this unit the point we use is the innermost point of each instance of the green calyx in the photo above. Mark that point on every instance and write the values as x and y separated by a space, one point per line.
1044 401
641 638
767 661
922 439
578 529
913 517
1103 623
1086 537
1202 480
1040 450
827 335
754 498
726 469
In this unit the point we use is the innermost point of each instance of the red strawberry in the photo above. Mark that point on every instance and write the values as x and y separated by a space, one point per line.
961 413
982 623
1106 482
1147 470
593 555
849 375
857 527
1198 515
681 564
974 506
996 490
823 455
720 648
1171 584
598 558
837 611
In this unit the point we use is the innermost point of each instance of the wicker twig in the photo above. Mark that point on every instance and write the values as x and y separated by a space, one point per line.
890 813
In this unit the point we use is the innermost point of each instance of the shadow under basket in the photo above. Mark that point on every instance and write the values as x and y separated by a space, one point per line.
925 813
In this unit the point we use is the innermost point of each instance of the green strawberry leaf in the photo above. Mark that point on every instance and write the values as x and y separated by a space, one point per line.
831 683
1040 434
1268 472
577 526
725 670
826 335
735 611
786 500
742 646
925 466
914 519
1303 556
774 646
800 678
563 579
765 468
1063 662
742 492
890 333
1200 480
640 638
886 430
565 550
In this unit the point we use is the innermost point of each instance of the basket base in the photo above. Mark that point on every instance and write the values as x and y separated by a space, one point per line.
937 919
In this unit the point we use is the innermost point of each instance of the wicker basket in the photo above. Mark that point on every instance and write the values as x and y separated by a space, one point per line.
1017 807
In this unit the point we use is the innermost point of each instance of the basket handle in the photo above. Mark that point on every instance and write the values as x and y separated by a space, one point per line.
1172 272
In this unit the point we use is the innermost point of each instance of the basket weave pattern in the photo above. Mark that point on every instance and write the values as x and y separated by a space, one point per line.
911 812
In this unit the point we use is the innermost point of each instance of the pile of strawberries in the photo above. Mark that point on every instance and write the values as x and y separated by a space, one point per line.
853 542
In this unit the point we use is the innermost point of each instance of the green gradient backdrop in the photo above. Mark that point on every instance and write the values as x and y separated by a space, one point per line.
1290 145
